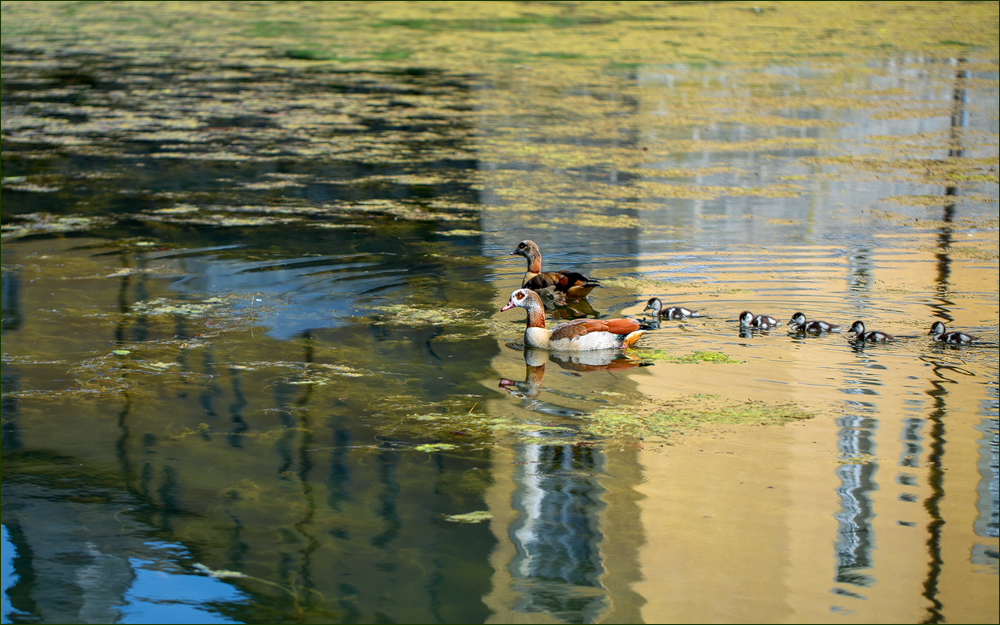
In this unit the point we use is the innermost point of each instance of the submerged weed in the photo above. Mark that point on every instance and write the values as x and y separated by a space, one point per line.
645 285
41 223
858 459
408 314
695 357
688 414
470 517
434 447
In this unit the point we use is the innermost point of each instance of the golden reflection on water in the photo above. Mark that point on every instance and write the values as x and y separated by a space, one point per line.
829 516
875 510
748 525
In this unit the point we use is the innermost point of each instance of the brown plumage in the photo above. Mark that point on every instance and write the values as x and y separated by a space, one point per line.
582 327
571 283
576 335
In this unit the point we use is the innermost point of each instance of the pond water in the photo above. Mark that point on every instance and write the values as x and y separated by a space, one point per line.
255 368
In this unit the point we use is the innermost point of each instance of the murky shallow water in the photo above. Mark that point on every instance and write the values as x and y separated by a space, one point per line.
250 325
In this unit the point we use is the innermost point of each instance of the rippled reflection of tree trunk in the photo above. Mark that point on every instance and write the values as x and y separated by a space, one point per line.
128 294
296 565
959 120
935 480
11 312
935 477
11 306
135 483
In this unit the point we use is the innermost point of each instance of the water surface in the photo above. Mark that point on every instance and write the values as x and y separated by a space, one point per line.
254 368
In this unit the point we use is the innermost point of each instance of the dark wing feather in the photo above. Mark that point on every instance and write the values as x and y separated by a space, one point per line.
575 284
571 283
574 278
543 281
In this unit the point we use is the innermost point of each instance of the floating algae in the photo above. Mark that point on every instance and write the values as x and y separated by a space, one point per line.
408 314
470 517
699 356
689 414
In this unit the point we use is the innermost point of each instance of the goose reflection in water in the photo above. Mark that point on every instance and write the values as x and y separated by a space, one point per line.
569 309
576 362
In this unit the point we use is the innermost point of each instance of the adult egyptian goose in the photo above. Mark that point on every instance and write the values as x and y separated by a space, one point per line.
798 323
571 283
871 336
940 334
672 312
576 335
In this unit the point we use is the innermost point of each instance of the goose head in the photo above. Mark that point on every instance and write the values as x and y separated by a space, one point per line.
526 248
523 298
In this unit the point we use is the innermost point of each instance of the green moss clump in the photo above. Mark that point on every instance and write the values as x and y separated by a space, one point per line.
470 517
699 356
689 414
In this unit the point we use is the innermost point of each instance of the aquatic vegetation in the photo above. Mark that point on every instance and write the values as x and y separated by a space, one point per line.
384 111
435 447
505 328
40 223
461 424
858 459
663 420
695 357
400 210
667 419
163 306
20 183
321 374
227 574
469 517
412 315
645 285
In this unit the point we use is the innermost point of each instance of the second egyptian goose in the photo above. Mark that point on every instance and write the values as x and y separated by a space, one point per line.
571 283
576 335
